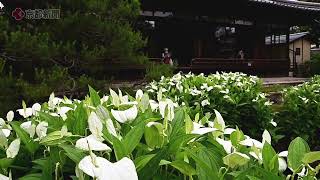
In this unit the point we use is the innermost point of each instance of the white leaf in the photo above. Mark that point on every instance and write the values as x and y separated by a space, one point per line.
13 148
111 128
10 116
229 131
95 125
202 131
25 112
90 143
219 122
126 115
266 137
41 129
6 132
251 142
153 104
2 122
102 169
282 164
36 108
29 128
3 177
283 154
227 145
139 94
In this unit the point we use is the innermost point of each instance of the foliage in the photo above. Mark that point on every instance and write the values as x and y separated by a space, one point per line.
300 114
145 138
90 32
313 66
237 96
155 71
46 81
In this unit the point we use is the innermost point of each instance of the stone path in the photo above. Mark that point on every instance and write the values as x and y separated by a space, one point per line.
284 80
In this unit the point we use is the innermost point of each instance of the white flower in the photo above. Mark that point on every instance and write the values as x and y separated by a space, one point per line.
53 101
126 115
27 112
36 108
13 148
29 128
41 130
102 169
205 103
227 145
268 103
10 116
166 109
111 128
95 125
91 143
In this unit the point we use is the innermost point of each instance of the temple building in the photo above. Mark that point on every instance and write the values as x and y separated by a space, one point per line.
226 35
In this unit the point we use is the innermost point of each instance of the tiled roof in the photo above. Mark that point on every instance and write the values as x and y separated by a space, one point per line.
293 37
292 4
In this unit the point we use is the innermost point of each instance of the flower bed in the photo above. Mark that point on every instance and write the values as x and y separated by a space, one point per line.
236 96
120 137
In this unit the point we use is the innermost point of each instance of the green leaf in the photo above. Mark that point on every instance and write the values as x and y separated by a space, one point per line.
119 148
47 167
6 162
76 155
141 161
207 162
236 137
151 168
35 176
236 159
153 135
144 104
183 167
311 157
94 96
177 123
78 123
31 145
296 151
189 124
132 139
53 122
268 155
52 139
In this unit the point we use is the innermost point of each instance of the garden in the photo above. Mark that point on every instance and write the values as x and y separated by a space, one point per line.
62 118
188 126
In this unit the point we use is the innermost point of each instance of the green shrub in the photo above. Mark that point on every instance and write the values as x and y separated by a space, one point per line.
237 96
313 66
155 71
119 137
300 115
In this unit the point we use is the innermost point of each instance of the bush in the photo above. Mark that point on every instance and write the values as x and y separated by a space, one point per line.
313 66
301 109
155 71
237 96
73 139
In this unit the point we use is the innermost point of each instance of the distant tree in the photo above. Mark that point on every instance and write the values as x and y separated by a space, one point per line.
88 30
